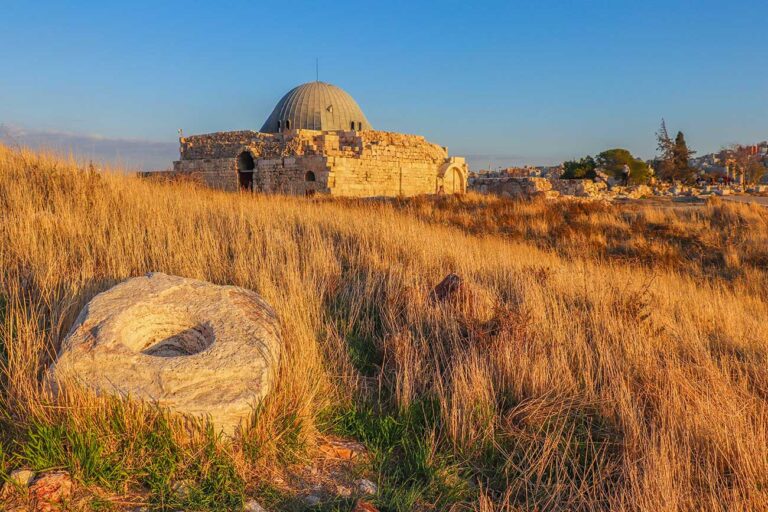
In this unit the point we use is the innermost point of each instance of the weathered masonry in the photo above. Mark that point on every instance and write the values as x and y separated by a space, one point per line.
318 141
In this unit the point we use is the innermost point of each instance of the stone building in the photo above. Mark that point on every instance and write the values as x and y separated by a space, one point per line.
318 141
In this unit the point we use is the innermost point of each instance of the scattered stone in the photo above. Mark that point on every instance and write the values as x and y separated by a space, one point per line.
344 450
21 477
253 506
312 500
50 490
197 348
364 506
366 486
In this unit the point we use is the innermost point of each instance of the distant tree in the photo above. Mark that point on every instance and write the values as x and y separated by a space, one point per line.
755 171
746 163
581 169
681 156
664 142
673 162
614 160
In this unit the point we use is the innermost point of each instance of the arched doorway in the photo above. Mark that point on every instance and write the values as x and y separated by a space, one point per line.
456 180
245 169
452 180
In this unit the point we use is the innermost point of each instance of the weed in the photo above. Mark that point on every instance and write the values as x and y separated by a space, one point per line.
405 455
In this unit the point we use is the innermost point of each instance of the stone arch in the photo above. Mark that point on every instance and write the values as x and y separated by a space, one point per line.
452 178
246 166
310 176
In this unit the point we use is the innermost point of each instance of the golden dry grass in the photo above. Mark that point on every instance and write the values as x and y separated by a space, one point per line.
608 358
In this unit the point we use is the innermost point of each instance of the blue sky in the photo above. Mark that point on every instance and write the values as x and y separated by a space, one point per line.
502 82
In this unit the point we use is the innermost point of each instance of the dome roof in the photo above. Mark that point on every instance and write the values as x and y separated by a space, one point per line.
316 106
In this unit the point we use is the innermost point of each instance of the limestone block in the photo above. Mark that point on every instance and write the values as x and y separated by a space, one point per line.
191 346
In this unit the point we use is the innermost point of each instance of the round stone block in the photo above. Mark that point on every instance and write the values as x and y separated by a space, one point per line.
192 346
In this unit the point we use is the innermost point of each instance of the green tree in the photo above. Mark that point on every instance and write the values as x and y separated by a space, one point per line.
672 163
581 169
681 155
614 160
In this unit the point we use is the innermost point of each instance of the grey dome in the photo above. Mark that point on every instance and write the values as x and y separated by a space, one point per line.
316 106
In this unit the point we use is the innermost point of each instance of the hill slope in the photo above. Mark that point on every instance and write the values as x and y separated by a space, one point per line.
565 379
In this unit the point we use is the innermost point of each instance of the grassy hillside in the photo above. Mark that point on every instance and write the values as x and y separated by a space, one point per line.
607 358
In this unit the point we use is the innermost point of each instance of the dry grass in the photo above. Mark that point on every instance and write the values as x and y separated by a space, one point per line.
608 358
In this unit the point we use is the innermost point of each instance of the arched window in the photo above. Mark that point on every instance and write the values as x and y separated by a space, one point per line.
245 162
352 125
359 125
310 176
279 124
287 124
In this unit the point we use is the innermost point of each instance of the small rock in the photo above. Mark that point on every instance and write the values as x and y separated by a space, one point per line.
470 301
312 500
343 491
364 506
366 486
253 506
21 477
449 286
50 490
182 489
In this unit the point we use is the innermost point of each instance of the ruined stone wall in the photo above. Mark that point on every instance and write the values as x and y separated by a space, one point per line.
511 186
579 188
214 172
345 163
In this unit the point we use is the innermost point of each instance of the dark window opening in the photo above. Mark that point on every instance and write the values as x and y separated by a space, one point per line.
245 162
352 125
359 125
245 167
287 124
310 176
278 125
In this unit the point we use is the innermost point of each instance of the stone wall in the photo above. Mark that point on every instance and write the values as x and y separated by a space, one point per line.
529 187
345 163
512 186
579 188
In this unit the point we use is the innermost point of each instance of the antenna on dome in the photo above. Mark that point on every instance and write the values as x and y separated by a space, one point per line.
317 69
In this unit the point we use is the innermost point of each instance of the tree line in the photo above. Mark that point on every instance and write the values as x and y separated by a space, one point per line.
672 164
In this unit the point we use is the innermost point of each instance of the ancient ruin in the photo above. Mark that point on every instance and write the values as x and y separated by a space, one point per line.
318 141
194 347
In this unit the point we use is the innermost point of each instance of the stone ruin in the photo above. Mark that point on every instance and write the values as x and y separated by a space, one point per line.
318 141
550 188
307 162
602 187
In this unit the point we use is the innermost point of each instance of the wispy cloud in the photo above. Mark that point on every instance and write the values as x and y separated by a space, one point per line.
129 153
